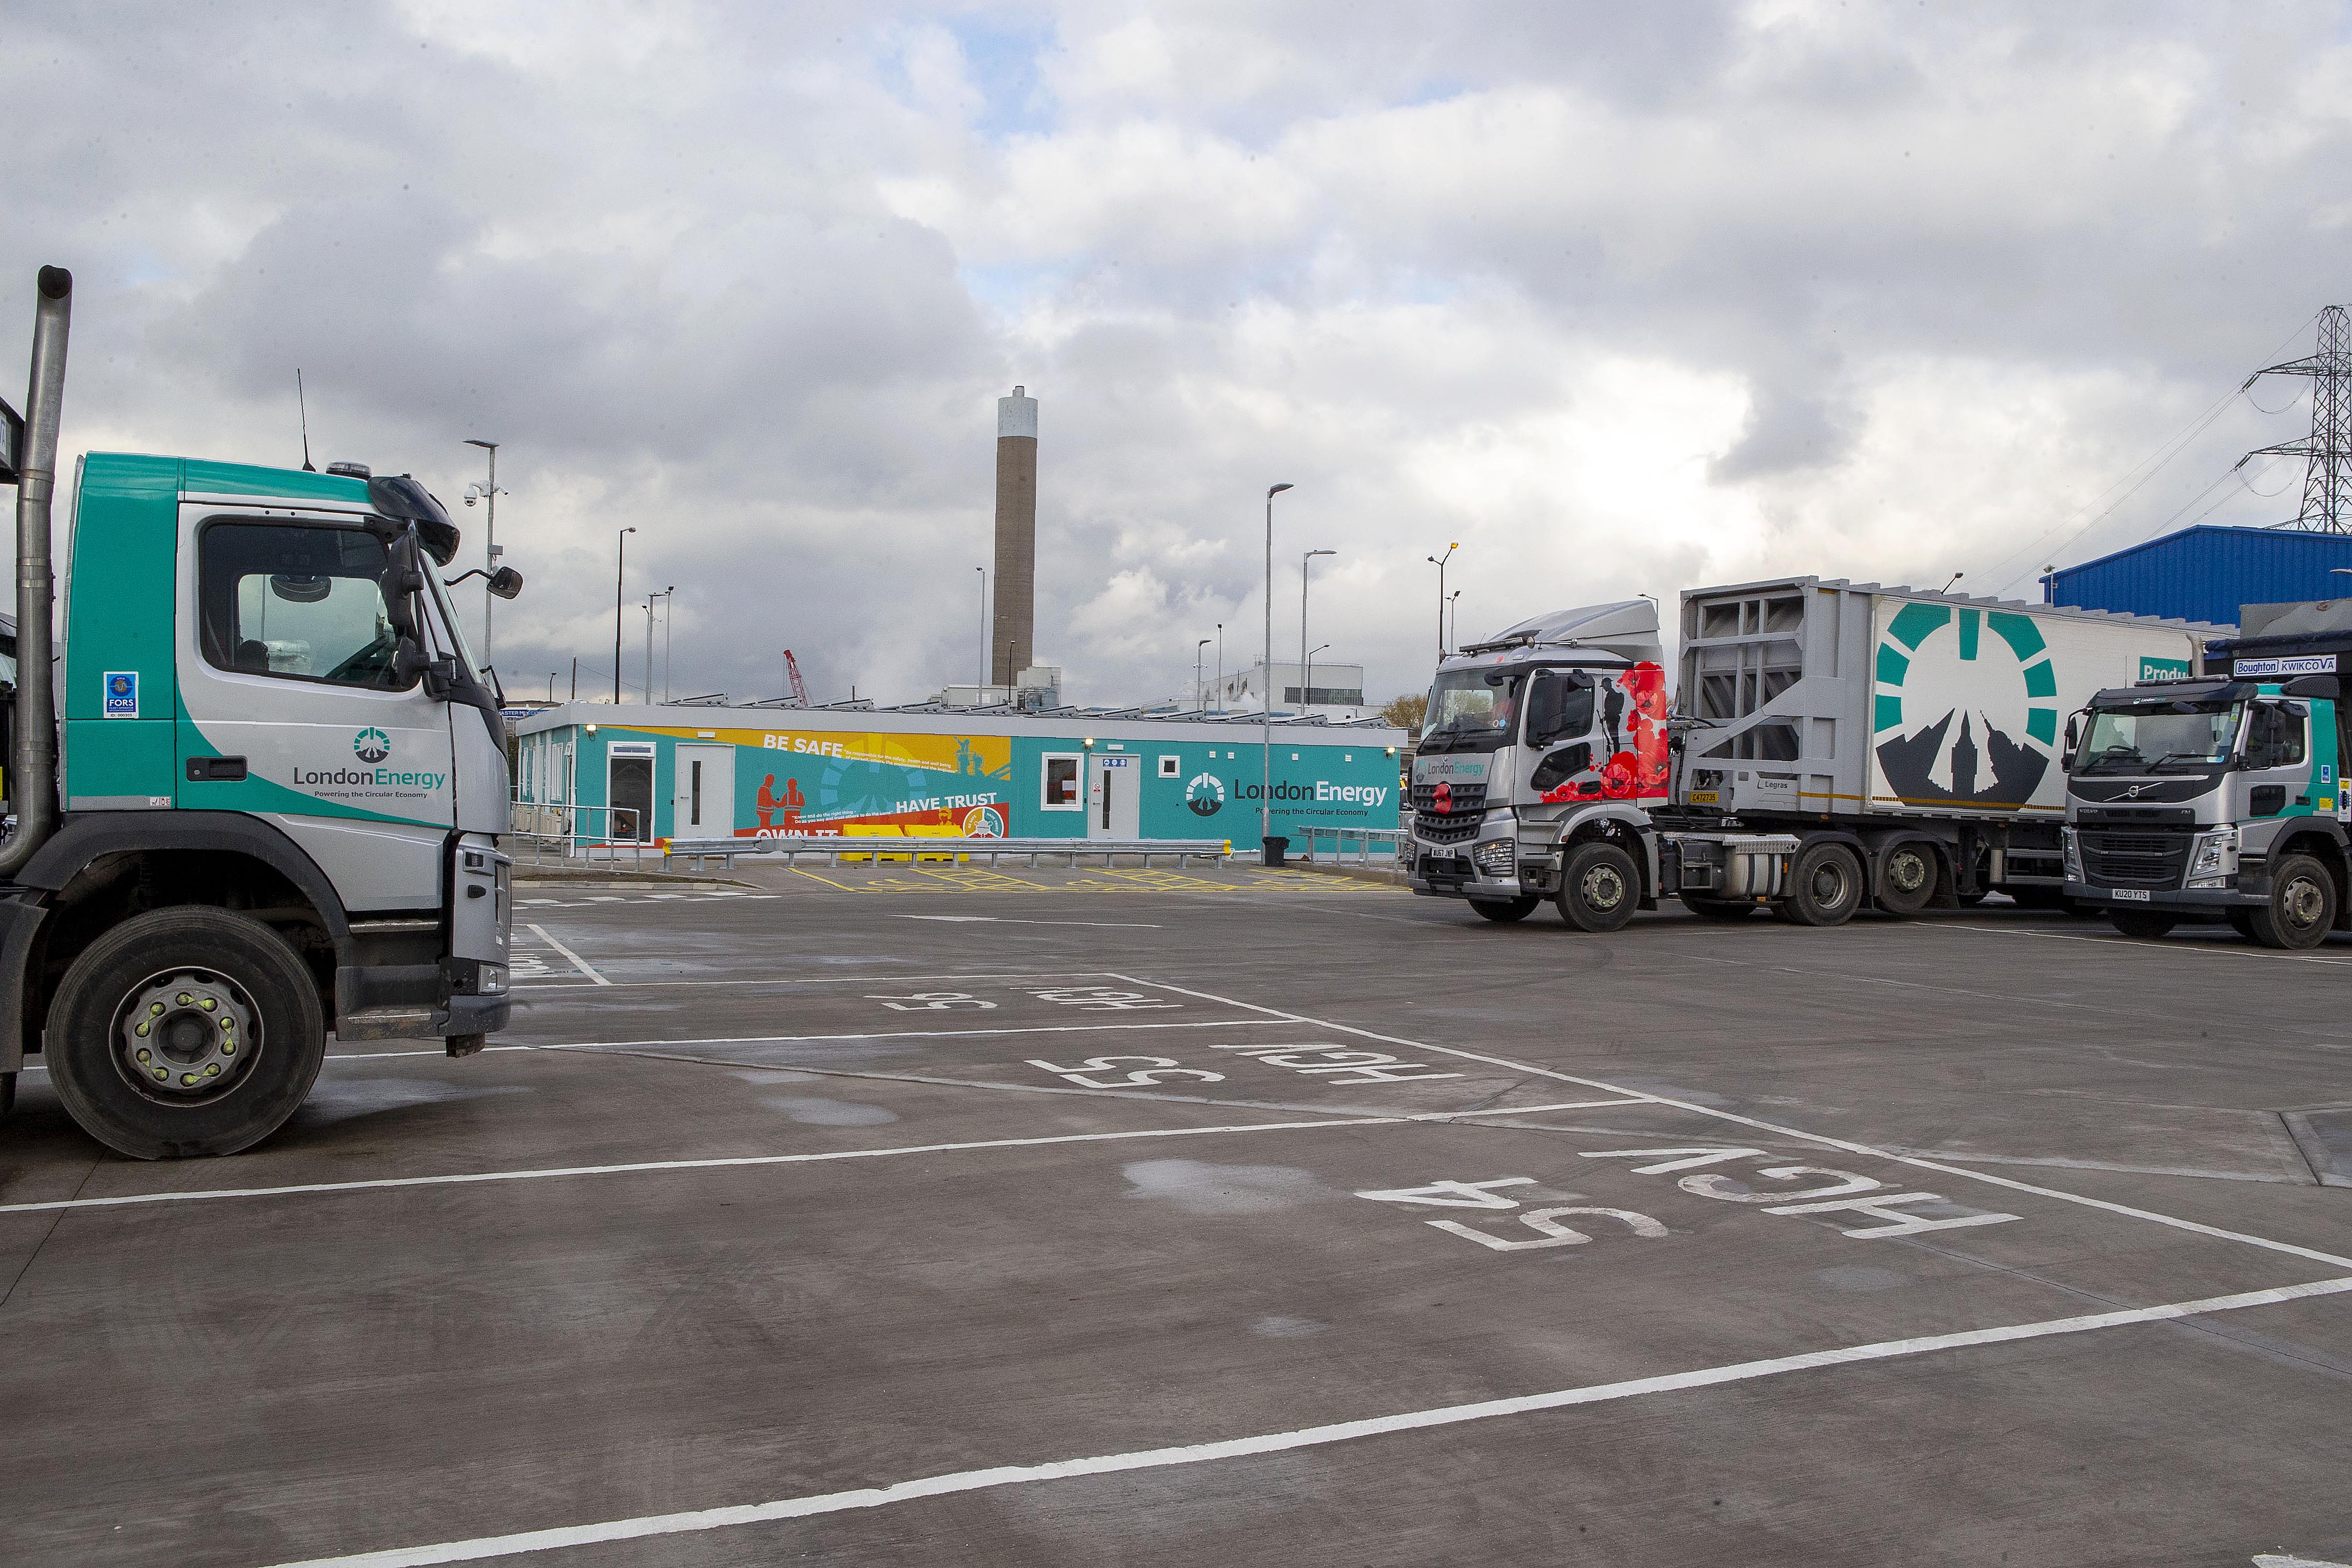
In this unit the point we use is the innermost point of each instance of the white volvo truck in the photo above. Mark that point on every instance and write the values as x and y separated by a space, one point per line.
1831 746
255 795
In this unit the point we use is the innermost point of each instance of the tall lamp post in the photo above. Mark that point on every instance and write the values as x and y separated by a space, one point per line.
649 647
1221 667
1453 610
1303 562
669 638
488 493
982 693
1199 699
1439 562
1306 677
1266 714
620 568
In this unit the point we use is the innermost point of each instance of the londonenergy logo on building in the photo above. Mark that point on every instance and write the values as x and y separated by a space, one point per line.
1323 792
1963 715
1204 796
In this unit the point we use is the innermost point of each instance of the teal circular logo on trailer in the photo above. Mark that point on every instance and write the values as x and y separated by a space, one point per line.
1204 796
1967 706
372 745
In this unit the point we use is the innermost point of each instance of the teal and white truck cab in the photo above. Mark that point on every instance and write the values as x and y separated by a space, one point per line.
2213 796
270 807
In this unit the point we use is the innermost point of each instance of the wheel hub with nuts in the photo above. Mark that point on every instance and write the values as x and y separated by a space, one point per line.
187 1033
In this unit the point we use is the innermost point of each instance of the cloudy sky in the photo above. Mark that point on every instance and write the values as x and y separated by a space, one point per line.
1624 299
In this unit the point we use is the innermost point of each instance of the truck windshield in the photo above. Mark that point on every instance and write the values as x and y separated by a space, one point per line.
1470 710
2149 736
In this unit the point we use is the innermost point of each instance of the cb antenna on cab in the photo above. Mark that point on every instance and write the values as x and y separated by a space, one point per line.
303 408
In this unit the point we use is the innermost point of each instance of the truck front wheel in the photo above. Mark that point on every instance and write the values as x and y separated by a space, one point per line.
1599 888
183 1031
2302 910
1825 886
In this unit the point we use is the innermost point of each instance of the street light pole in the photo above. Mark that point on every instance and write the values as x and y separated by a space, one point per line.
649 647
490 539
1440 563
620 568
1306 680
669 633
1303 559
982 693
1453 608
1200 701
1266 714
1221 667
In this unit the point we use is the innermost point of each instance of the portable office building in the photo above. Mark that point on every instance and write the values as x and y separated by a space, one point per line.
635 773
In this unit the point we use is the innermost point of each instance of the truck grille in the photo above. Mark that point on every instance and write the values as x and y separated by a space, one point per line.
2126 858
1444 829
1462 799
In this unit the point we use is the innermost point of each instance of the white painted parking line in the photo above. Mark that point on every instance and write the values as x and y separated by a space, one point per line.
471 1178
1824 1139
2159 947
1005 921
578 963
701 1520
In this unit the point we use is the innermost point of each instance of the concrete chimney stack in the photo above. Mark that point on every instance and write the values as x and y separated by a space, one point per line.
1011 642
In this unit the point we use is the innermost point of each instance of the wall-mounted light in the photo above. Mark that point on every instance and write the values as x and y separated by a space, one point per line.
1391 751
1088 743
592 729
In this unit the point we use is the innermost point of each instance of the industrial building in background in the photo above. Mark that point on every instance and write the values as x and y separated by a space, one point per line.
1012 643
2209 573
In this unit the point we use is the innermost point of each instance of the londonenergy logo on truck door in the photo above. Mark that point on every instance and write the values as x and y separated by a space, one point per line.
1969 702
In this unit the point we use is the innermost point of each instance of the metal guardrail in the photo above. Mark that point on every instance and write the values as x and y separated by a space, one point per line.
833 846
1394 837
571 830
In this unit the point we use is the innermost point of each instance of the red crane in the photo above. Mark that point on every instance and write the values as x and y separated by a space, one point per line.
800 686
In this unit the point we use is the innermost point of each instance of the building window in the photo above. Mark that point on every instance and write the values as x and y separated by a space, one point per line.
1059 790
1171 767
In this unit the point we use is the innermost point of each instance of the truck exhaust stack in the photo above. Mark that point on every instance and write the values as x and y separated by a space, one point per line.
33 784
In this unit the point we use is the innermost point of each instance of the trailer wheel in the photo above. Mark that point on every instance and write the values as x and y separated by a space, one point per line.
1599 888
1708 909
183 1031
2302 910
2147 927
1907 880
1825 887
1503 911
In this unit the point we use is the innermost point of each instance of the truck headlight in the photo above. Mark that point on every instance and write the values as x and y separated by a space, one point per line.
2073 855
2213 862
1495 857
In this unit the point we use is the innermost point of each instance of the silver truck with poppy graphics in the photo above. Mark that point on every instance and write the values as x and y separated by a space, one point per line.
261 799
2220 797
1829 746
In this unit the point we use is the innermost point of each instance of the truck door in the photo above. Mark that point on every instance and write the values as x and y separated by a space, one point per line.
291 707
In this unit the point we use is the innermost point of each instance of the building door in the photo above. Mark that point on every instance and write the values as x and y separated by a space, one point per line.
1114 798
702 797
629 791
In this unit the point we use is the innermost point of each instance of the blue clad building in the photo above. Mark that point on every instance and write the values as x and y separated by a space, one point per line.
2205 574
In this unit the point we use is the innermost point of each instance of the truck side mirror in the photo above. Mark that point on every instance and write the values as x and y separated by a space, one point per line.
506 583
2073 736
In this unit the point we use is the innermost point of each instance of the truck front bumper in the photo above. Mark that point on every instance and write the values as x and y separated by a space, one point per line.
2249 893
1486 866
473 1015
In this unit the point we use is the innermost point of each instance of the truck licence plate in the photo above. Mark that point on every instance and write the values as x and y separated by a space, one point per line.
2132 895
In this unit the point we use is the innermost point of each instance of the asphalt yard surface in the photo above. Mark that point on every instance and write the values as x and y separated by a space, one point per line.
898 1215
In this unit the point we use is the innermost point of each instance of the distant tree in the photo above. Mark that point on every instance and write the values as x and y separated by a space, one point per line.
1406 712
